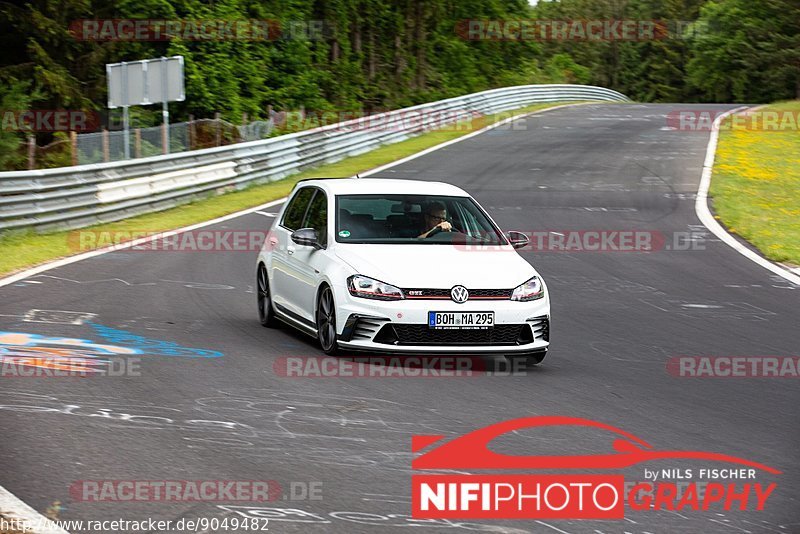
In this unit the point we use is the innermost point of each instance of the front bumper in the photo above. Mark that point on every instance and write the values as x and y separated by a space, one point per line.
401 327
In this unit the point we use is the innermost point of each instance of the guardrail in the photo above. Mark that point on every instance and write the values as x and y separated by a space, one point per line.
72 197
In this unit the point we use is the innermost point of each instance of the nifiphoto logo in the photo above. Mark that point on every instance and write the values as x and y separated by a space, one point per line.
572 495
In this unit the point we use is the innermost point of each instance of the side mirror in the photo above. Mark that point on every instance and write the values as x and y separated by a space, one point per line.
517 239
306 237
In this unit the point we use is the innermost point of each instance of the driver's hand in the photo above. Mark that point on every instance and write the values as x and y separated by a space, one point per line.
445 226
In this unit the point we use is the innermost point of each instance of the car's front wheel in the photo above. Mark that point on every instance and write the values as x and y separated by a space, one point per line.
326 322
266 315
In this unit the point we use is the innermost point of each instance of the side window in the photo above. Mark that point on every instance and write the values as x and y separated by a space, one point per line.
296 210
317 217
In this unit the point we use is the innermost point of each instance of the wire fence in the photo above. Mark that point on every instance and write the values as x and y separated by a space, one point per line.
105 145
73 148
72 197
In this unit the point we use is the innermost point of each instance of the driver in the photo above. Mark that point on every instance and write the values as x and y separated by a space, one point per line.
435 220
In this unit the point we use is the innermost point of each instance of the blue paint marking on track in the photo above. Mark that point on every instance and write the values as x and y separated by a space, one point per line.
151 346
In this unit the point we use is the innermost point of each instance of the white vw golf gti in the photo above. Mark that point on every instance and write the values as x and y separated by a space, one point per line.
400 266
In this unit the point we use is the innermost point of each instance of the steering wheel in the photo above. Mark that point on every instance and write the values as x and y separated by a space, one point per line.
436 230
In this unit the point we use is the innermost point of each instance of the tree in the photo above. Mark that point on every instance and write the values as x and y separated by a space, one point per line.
15 97
747 51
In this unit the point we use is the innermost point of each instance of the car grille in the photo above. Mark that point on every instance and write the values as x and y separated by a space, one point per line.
476 294
421 334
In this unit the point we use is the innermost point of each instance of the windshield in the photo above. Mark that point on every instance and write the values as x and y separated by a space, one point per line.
413 219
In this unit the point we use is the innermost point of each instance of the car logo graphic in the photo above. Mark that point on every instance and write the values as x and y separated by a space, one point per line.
459 294
471 451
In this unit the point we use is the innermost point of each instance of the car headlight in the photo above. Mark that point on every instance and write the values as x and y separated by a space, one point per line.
369 288
530 290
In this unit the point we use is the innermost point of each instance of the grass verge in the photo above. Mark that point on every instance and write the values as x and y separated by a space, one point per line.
24 249
756 182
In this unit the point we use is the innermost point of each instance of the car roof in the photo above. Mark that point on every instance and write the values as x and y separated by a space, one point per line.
366 186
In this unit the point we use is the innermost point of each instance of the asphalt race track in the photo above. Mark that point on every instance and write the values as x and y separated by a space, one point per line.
209 404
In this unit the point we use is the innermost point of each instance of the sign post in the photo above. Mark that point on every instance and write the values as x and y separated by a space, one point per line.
164 108
126 132
141 83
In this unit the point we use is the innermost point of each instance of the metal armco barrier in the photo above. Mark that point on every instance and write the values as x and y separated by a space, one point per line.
72 197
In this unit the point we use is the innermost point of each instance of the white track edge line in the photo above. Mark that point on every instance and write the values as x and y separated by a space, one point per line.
12 508
92 253
708 220
128 244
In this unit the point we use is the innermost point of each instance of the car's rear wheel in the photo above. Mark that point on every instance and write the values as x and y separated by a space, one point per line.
266 315
326 322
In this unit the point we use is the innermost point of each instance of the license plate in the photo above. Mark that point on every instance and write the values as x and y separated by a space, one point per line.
460 320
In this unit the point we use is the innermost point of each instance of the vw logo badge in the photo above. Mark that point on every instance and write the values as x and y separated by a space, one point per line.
459 294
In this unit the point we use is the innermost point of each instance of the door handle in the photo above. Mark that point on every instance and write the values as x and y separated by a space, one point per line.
290 250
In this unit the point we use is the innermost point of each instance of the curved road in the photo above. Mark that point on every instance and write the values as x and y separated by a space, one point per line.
209 404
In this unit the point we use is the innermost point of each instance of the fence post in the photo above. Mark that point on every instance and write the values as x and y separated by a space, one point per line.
106 150
31 152
73 146
218 124
137 143
192 132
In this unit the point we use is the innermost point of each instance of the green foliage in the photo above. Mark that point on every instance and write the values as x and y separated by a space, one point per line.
747 51
14 98
561 68
718 51
368 55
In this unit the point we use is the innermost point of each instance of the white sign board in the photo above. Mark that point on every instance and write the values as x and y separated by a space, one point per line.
139 83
